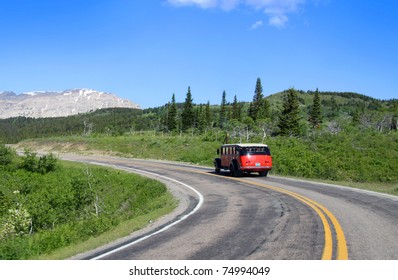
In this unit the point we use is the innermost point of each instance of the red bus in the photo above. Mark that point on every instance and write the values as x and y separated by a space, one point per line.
244 158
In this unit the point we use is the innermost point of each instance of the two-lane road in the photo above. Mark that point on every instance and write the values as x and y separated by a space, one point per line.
256 218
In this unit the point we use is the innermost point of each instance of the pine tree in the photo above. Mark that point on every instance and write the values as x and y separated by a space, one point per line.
265 111
223 111
196 116
187 114
290 116
201 119
208 115
255 108
164 118
315 117
172 114
236 110
250 112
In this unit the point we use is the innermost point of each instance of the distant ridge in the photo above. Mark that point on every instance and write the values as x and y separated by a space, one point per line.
43 104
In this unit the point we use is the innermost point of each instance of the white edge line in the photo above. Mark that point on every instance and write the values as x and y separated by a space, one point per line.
363 191
201 200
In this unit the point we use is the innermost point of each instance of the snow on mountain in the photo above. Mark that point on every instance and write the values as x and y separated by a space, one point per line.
41 104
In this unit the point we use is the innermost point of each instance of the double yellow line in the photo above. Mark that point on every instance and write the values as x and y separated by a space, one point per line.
322 211
324 214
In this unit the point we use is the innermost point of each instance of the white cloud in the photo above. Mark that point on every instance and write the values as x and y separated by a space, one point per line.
276 10
256 25
276 6
229 4
278 20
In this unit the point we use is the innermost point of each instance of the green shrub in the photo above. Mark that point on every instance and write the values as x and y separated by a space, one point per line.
6 155
29 161
43 165
47 163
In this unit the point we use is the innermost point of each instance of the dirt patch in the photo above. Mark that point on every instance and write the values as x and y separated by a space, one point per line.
42 147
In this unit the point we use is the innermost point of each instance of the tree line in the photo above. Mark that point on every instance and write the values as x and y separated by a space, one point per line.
292 115
110 121
289 113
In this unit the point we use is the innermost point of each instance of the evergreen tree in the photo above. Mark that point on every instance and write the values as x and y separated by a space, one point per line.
256 105
236 110
223 111
201 119
208 115
290 116
250 112
315 117
229 113
164 118
197 116
265 111
187 114
172 114
171 118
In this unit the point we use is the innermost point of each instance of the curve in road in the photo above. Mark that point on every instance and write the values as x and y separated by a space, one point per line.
265 218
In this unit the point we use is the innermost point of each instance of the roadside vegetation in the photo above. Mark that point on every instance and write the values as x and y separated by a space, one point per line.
345 158
337 137
46 204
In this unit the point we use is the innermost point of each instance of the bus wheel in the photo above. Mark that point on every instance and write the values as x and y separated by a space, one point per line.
263 173
231 170
217 165
237 171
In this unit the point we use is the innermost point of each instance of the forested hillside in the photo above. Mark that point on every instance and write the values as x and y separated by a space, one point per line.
114 121
314 134
335 111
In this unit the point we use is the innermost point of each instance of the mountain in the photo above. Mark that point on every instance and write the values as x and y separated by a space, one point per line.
41 104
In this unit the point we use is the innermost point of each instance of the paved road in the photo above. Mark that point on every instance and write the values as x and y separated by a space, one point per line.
256 218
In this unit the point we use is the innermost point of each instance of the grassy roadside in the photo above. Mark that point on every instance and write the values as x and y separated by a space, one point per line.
292 157
72 207
122 230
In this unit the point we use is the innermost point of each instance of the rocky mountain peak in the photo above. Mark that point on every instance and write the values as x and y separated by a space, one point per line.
43 104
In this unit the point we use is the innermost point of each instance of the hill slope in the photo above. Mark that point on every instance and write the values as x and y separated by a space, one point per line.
109 121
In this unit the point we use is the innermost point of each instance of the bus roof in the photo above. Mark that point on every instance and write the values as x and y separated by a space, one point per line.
245 145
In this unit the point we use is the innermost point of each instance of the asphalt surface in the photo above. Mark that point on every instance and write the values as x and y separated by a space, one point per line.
255 218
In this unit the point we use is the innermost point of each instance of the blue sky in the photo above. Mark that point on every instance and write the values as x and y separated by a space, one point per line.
146 50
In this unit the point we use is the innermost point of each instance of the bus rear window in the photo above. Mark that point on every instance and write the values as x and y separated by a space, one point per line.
255 151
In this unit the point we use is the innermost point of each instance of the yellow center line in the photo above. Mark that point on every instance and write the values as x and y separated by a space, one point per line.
342 251
328 248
